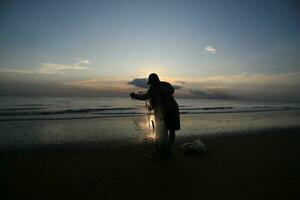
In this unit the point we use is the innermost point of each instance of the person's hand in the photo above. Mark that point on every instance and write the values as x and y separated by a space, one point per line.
132 95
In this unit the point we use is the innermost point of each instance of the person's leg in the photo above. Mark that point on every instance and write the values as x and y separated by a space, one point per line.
171 138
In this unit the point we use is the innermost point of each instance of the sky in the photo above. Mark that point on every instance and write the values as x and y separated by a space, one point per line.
206 49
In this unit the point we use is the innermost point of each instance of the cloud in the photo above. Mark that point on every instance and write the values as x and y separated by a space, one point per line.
102 84
212 94
177 87
142 83
139 82
283 86
81 61
181 82
20 71
52 68
37 88
253 79
210 50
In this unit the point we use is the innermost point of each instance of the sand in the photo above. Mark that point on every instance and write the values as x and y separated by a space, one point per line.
262 165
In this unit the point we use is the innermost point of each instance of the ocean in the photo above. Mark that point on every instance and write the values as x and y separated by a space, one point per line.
52 120
67 108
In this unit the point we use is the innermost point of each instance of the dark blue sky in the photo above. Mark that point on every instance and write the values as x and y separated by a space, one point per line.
131 38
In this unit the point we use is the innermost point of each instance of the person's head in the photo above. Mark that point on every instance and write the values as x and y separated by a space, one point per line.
153 78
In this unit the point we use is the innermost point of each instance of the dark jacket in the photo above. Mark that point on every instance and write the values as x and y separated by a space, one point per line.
170 111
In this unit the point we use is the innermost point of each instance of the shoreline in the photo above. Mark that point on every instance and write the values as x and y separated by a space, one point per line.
17 134
115 144
262 165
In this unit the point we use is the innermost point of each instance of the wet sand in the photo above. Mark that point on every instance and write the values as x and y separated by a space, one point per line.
262 165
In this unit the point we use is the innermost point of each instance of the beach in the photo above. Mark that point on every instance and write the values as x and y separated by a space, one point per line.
260 165
77 149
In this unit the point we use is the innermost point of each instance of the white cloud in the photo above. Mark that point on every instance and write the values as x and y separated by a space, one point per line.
210 50
82 61
52 68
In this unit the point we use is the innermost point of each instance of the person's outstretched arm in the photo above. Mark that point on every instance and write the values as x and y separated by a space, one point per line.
142 97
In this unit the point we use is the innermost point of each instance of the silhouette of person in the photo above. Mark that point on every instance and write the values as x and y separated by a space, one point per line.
162 92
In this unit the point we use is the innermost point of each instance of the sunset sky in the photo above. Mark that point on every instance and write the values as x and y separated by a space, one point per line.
206 49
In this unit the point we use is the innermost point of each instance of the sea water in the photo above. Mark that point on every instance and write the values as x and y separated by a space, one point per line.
52 120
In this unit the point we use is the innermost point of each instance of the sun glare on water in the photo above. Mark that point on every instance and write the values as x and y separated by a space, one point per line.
150 128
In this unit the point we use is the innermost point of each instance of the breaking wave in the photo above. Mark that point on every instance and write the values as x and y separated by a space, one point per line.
41 113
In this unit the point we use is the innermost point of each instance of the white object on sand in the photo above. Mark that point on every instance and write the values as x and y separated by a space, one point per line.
195 147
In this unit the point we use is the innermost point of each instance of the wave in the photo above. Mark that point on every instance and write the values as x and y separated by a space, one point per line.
68 111
16 109
88 110
73 118
105 110
25 105
35 113
209 108
241 111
